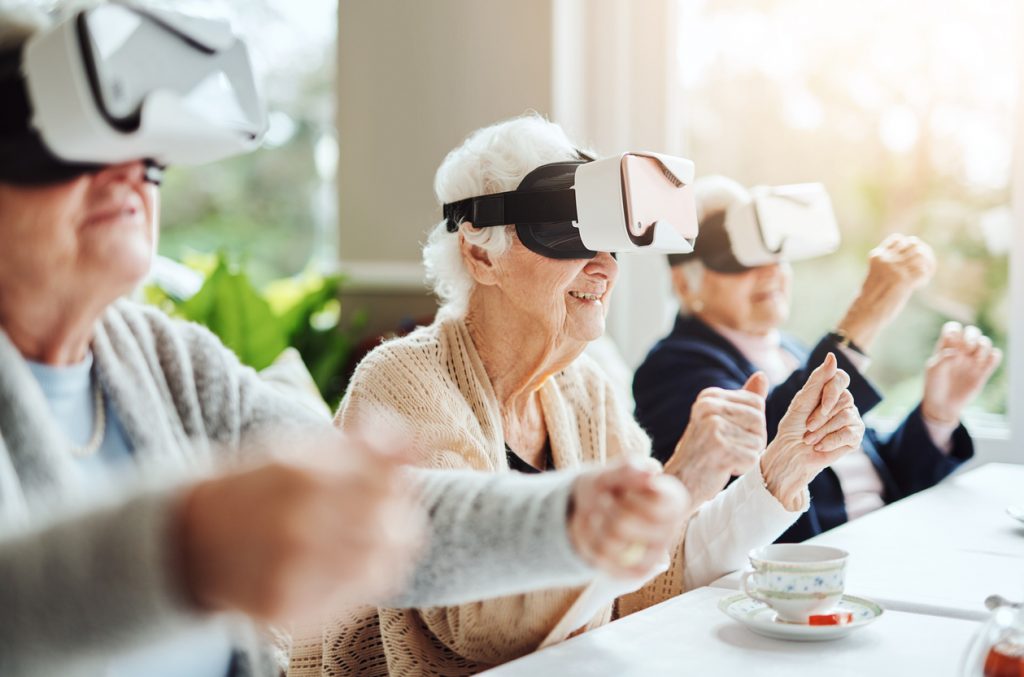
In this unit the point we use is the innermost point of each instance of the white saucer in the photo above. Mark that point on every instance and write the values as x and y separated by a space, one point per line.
760 618
1016 512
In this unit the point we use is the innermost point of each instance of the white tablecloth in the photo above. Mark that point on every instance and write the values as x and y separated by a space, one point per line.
965 512
689 636
942 551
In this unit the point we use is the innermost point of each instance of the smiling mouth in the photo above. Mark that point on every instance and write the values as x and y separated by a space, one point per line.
585 296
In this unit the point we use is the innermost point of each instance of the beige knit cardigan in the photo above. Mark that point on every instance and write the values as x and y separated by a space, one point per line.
435 382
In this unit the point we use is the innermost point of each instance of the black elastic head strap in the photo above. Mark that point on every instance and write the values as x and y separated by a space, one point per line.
512 207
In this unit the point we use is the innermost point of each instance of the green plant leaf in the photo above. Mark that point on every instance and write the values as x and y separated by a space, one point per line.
233 309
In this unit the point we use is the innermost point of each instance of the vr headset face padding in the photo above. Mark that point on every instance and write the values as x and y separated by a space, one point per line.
553 239
712 247
24 158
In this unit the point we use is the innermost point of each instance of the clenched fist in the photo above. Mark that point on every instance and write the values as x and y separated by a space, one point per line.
625 517
725 437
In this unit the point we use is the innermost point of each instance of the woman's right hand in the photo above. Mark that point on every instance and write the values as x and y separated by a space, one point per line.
288 539
896 268
624 518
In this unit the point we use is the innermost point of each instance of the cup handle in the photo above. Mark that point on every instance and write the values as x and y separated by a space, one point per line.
744 583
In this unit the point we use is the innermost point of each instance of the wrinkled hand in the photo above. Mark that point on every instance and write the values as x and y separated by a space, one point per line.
896 268
289 539
962 363
624 518
821 425
725 437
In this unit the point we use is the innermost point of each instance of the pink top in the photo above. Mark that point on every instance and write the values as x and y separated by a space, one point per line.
862 487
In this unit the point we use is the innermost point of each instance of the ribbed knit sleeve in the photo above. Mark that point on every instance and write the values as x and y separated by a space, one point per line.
82 588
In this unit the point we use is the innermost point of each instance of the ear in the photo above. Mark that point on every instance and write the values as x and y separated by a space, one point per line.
478 262
681 286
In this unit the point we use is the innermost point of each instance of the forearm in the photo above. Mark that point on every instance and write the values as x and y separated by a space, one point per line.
875 307
493 535
744 516
91 585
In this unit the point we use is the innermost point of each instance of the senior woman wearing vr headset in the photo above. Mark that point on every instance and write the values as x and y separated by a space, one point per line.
734 293
102 396
498 383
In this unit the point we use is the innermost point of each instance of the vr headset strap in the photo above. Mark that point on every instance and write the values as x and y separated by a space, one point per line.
513 207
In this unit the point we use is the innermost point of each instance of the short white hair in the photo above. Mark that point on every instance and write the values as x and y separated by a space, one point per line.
493 159
716 193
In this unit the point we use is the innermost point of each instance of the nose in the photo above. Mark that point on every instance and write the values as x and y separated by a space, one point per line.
603 265
133 172
769 271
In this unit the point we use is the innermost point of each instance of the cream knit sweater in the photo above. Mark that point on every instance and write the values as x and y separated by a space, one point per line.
435 382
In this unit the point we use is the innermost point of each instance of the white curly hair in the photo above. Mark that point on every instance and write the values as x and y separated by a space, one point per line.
493 159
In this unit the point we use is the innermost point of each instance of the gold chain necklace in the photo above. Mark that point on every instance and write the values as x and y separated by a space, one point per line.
99 426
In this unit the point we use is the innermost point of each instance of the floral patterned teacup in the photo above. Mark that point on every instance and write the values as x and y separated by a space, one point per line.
797 580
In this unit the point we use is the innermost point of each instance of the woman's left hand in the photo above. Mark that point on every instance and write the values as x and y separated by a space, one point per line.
821 425
962 363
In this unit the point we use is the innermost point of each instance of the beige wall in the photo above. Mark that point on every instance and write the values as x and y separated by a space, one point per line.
414 78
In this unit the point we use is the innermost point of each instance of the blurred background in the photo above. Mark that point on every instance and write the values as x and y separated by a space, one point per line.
910 112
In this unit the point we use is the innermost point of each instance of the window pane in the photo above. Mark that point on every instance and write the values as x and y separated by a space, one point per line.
273 208
905 110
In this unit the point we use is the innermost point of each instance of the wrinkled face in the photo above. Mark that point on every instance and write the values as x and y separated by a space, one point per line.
93 235
755 301
567 297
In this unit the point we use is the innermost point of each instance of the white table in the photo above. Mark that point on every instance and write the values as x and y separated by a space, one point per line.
965 512
688 635
941 551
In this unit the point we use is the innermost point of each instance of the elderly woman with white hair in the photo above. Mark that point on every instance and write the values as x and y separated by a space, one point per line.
729 327
498 383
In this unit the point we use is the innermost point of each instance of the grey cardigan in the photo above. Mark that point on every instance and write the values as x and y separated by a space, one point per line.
81 579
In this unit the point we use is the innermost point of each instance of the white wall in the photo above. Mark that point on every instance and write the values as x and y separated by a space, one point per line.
414 78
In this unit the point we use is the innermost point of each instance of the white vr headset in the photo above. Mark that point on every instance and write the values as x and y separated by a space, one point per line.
118 82
572 210
778 223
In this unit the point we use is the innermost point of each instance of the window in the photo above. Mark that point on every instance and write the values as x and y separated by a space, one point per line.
906 111
274 209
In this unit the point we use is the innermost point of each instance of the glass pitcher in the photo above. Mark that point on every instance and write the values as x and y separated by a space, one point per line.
998 648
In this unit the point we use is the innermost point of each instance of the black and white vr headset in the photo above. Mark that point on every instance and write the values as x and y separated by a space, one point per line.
572 210
118 82
778 223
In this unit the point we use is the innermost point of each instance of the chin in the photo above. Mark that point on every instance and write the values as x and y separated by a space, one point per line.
588 332
127 267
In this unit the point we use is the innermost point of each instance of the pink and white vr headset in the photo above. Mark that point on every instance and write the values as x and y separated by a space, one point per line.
119 82
778 223
572 210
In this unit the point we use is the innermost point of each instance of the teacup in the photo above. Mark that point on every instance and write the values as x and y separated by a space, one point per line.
797 580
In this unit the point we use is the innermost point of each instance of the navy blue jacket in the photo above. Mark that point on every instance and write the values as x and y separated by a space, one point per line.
694 357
